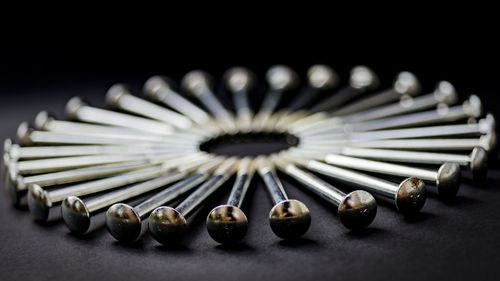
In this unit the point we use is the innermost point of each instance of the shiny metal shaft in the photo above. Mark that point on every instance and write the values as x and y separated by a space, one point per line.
77 109
315 184
470 108
158 89
244 176
274 186
484 126
168 195
120 97
221 175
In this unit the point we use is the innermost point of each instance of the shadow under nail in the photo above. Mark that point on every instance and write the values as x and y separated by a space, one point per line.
237 248
365 232
301 242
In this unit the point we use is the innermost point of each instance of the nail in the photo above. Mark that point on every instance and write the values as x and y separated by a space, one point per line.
120 97
77 213
79 110
486 142
228 224
409 196
17 152
39 166
46 122
167 225
356 210
476 161
361 80
444 94
289 218
447 178
18 184
124 222
29 137
159 89
239 81
40 200
470 108
198 83
320 78
484 126
280 79
406 84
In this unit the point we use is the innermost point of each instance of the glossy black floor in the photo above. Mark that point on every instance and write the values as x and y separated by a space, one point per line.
452 241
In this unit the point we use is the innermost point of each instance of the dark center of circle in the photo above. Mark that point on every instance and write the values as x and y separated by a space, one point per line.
249 144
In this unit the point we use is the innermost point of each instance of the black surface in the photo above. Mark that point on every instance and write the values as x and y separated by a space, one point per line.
453 241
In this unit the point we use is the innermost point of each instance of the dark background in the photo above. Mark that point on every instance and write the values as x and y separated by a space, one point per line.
456 241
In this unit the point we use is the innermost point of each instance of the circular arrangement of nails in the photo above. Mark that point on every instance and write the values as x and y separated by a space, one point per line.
387 143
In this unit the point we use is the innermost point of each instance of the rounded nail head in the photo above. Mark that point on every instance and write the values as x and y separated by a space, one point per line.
363 77
195 82
479 164
227 224
115 92
153 85
448 180
167 225
75 214
290 219
42 119
281 77
23 134
407 83
239 79
357 210
410 196
322 77
123 222
445 92
72 106
38 203
473 106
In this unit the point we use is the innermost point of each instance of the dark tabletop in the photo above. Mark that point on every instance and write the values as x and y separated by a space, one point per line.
449 241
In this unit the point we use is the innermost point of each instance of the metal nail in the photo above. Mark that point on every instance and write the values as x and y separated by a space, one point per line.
227 224
280 79
79 110
29 137
17 184
476 161
470 108
40 200
289 218
409 196
124 222
17 152
167 225
77 213
320 78
198 83
486 142
64 163
159 88
239 81
444 94
447 178
120 97
406 84
356 210
484 126
361 80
